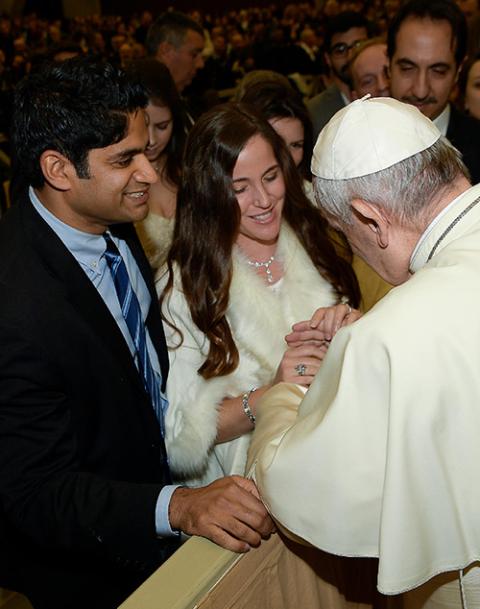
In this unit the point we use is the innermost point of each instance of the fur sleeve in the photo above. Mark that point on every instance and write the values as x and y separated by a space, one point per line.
192 416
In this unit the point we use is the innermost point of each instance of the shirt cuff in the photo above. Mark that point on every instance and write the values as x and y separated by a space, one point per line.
162 522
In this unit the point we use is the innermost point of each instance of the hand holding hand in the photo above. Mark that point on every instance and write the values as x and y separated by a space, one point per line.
227 511
322 326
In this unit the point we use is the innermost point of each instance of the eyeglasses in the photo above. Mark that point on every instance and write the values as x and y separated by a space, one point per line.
342 48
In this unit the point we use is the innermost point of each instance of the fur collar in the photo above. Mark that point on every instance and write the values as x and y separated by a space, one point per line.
258 323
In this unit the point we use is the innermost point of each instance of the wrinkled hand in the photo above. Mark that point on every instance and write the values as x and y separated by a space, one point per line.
227 511
308 355
322 326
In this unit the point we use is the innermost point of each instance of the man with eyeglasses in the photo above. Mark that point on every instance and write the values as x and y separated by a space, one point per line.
344 32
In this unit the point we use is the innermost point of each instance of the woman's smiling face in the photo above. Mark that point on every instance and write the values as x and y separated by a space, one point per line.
259 187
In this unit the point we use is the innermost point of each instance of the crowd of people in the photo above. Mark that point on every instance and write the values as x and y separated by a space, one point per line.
295 41
198 206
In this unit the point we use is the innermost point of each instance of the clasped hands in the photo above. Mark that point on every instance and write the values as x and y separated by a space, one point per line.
308 343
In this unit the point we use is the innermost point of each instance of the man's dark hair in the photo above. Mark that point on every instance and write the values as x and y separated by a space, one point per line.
170 27
72 107
65 46
342 23
436 10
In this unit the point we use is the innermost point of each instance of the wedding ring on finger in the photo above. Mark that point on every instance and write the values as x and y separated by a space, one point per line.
300 369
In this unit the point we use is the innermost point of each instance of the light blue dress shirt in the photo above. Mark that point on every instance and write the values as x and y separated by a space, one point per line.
88 250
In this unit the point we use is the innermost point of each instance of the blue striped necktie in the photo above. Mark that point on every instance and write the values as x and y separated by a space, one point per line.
133 317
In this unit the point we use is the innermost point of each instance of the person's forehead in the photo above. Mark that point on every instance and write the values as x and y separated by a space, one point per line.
290 124
193 40
354 33
474 71
374 56
425 37
136 136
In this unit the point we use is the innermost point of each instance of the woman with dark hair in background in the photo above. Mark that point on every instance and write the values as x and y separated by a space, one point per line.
284 109
250 257
166 133
469 85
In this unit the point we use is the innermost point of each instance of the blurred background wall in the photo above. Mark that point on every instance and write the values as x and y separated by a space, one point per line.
72 8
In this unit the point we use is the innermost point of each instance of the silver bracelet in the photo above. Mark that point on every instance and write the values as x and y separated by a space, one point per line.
246 406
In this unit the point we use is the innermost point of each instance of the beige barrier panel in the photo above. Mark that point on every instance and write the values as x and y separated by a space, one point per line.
279 575
185 578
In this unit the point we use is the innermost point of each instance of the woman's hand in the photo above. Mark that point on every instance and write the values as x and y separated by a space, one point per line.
322 326
300 364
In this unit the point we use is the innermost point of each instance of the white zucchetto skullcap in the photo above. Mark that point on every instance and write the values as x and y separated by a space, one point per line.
369 135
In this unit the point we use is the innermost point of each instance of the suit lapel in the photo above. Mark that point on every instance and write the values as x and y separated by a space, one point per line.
78 290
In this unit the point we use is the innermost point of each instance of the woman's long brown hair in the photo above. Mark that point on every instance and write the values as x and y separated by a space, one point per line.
208 219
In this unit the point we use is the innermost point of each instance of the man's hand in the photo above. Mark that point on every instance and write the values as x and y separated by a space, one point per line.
322 326
227 511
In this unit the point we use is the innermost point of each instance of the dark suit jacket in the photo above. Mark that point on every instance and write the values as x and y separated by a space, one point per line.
82 460
464 133
323 106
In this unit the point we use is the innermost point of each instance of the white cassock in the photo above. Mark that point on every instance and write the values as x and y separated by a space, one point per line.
383 457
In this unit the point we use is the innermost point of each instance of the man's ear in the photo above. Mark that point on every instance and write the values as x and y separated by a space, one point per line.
375 218
327 59
164 50
57 169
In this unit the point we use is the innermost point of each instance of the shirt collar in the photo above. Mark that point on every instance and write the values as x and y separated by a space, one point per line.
442 120
87 248
346 100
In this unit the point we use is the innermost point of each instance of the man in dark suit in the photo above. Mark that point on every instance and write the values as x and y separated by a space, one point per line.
344 32
178 41
87 508
427 42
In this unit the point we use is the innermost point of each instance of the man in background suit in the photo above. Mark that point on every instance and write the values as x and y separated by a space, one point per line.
343 33
427 42
178 41
87 508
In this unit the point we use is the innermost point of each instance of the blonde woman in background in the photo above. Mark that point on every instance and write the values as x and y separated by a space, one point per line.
166 141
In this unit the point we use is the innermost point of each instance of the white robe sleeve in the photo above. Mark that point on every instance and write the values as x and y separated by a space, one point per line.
192 416
191 420
311 471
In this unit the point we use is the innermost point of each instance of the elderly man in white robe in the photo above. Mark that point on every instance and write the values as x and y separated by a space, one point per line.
381 458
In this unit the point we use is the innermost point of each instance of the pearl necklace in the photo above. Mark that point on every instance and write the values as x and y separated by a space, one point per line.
265 265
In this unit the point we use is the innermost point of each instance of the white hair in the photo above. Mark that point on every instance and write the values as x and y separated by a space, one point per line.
405 189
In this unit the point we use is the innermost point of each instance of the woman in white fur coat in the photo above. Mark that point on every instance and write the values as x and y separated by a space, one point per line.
250 257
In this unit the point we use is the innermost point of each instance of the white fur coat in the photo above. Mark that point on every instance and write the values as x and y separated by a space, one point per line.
259 316
155 233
